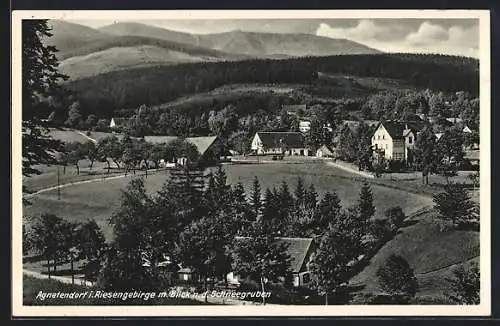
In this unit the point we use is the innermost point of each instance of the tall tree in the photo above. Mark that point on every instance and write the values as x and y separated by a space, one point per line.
256 199
300 192
450 153
261 257
46 238
331 262
365 205
426 153
40 80
91 247
131 259
454 204
397 279
329 209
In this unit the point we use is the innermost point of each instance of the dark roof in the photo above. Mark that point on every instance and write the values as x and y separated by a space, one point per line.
298 249
416 126
274 139
394 128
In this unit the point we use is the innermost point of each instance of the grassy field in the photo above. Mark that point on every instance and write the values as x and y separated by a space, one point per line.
32 286
99 200
430 252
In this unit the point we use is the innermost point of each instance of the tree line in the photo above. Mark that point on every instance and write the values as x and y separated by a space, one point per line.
117 90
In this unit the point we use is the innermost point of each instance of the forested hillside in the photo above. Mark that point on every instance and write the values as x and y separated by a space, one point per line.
127 89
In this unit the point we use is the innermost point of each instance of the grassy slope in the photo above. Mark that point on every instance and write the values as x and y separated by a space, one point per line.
99 200
431 253
117 58
32 286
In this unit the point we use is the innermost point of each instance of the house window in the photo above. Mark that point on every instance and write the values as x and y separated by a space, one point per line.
383 136
378 137
385 146
306 278
410 140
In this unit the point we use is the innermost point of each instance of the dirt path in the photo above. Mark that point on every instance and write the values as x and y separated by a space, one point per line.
62 279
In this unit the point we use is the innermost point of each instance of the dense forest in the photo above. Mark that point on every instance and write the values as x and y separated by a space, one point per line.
128 89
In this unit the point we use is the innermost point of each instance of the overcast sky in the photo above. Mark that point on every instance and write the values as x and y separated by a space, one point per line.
446 36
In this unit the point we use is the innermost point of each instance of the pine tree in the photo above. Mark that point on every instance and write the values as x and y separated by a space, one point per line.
454 204
241 209
300 192
222 188
256 198
40 80
397 279
329 209
311 197
365 204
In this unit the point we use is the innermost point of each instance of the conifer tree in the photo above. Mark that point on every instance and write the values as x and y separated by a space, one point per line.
300 192
256 201
454 204
365 205
329 209
311 197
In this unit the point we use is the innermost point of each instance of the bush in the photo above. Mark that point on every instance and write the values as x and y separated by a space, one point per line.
397 280
396 217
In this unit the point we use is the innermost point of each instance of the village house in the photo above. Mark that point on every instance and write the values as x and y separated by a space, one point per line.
395 140
304 125
300 251
325 152
282 143
118 122
209 148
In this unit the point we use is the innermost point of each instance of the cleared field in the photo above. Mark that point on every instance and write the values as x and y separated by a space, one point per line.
430 252
99 200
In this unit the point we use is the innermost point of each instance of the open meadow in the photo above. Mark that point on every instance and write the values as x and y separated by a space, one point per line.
99 199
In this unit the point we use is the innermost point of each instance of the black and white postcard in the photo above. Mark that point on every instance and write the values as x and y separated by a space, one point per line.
251 163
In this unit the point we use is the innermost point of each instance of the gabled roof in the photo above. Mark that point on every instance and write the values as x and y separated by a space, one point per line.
394 128
326 149
201 143
276 139
298 249
120 120
416 126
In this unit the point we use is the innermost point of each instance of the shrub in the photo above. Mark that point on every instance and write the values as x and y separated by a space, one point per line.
397 280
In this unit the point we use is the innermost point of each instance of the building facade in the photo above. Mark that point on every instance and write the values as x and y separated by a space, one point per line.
279 143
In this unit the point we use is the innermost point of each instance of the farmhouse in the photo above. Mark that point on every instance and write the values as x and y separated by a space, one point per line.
300 250
210 148
325 151
118 122
285 143
395 140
